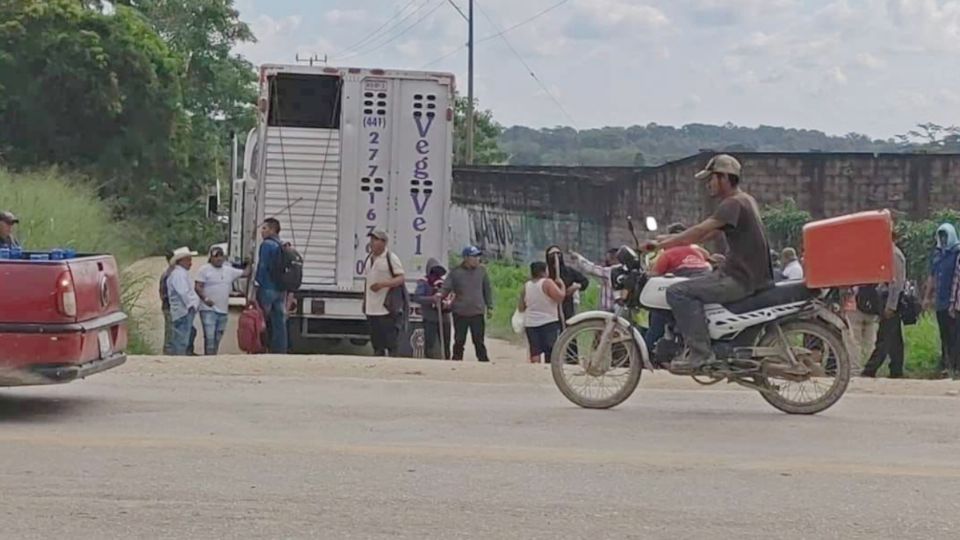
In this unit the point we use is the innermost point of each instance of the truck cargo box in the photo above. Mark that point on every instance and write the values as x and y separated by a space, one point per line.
849 250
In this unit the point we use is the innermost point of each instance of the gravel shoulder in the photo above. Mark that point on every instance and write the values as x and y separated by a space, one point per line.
498 372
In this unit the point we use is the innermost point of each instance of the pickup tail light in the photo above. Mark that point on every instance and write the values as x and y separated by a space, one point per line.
66 295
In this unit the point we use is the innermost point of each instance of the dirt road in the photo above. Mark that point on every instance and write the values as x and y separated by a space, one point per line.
297 447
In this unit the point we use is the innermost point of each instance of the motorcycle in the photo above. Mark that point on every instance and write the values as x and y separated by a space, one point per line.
786 342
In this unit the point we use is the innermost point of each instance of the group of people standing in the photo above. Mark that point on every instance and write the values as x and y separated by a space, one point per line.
460 300
183 298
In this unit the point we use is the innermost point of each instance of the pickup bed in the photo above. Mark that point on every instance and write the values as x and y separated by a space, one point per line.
60 320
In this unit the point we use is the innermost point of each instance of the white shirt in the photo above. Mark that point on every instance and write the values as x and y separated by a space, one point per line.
182 295
378 271
793 270
217 283
541 309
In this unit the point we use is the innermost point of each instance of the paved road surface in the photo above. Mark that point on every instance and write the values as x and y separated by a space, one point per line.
355 448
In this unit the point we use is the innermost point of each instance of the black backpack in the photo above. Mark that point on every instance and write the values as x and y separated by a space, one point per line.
288 274
869 300
909 308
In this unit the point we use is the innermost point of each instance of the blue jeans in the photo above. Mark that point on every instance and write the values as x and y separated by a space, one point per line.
182 328
657 326
214 324
274 306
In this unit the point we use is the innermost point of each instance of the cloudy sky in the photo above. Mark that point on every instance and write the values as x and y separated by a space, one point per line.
871 66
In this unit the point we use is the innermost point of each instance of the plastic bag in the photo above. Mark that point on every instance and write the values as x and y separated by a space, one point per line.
517 322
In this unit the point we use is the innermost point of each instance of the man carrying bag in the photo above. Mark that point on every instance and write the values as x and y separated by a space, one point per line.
385 298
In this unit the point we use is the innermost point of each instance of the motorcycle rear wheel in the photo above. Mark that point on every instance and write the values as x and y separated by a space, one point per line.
826 349
590 390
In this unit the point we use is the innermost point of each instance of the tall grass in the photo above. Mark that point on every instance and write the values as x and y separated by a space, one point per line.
62 210
922 346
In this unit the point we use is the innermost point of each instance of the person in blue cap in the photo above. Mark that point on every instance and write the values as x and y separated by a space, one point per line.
468 288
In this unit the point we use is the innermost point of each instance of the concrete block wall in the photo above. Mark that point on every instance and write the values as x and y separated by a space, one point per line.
516 211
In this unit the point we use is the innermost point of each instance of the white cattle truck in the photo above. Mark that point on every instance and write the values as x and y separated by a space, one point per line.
337 153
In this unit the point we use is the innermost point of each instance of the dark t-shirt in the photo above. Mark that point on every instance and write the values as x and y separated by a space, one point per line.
748 257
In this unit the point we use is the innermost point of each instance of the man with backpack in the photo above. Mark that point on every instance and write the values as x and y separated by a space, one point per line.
279 271
385 300
890 335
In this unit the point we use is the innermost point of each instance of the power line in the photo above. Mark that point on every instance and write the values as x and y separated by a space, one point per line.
495 36
396 36
460 11
523 22
365 39
444 57
529 69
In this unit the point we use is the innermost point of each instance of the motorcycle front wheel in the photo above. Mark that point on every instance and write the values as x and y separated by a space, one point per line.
595 385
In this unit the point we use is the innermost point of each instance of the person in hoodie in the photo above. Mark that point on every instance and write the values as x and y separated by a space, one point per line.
434 326
468 288
939 289
574 282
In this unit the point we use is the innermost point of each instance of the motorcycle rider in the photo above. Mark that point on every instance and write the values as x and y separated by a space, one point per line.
746 269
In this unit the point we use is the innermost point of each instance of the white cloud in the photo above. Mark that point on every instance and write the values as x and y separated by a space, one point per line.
868 61
598 18
875 66
934 25
691 101
347 16
411 48
273 39
837 76
732 12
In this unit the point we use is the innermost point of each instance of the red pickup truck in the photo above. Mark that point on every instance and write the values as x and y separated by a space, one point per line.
60 320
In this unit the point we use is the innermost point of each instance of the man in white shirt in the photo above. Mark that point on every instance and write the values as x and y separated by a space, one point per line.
183 300
214 283
792 269
384 300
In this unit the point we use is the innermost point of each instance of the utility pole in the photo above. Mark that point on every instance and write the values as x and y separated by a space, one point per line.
469 156
313 58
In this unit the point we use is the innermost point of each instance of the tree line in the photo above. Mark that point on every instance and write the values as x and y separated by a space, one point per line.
655 144
138 96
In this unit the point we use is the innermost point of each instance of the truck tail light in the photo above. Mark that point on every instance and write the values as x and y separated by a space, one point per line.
66 295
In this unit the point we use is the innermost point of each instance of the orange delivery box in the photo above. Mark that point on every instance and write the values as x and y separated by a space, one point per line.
855 249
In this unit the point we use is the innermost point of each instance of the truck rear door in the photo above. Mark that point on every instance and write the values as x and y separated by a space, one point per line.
421 190
302 169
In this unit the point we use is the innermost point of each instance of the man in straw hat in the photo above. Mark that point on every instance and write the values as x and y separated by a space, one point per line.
183 299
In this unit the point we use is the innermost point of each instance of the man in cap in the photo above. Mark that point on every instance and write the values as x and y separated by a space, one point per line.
745 270
214 283
384 302
469 286
183 300
7 222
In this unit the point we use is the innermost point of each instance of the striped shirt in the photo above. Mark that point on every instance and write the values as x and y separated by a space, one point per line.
608 296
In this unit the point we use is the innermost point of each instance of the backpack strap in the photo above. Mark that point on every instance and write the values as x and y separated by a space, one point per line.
390 264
